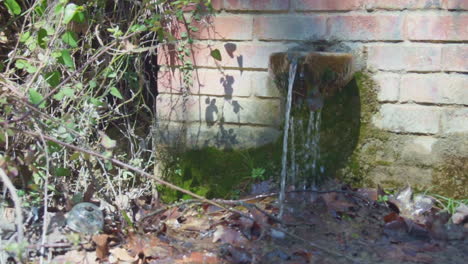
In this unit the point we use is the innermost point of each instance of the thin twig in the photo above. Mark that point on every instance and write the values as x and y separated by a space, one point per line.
17 203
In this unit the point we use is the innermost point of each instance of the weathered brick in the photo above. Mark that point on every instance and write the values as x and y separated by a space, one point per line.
457 4
290 27
403 4
169 82
261 5
405 57
388 85
226 136
237 55
232 27
248 111
435 88
326 5
437 27
366 27
228 83
455 120
455 58
170 107
264 86
408 118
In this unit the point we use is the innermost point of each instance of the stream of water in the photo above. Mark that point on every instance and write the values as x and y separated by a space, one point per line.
302 147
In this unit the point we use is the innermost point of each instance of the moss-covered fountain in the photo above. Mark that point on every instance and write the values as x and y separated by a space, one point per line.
325 114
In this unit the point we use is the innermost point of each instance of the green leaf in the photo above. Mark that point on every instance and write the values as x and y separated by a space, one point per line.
216 54
41 34
53 78
107 142
79 17
70 11
62 172
58 9
96 102
115 92
35 97
25 36
13 7
66 91
67 59
20 64
137 27
70 38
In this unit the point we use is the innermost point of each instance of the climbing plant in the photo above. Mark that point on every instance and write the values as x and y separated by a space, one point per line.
84 72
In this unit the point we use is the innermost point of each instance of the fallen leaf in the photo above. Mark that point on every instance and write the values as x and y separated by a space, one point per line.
102 246
227 235
200 258
76 257
149 246
121 254
461 214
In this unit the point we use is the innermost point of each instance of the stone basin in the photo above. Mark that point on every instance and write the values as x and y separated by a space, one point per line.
326 71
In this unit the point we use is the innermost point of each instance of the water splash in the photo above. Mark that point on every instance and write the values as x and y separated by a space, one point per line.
284 159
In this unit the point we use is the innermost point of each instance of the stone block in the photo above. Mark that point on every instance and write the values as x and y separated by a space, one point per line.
437 27
403 4
225 136
389 176
264 86
366 27
256 5
253 111
435 88
455 58
408 119
225 27
290 27
455 120
420 57
388 85
326 5
457 4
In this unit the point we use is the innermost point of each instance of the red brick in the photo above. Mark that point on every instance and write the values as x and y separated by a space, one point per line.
228 83
434 88
328 5
404 57
403 4
232 27
457 4
455 58
366 27
438 27
252 5
290 27
237 55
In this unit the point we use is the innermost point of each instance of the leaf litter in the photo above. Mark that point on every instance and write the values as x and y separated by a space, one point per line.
343 225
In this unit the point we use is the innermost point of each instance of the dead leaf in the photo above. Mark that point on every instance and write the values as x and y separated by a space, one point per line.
337 202
102 246
461 214
200 258
76 257
227 235
148 246
121 254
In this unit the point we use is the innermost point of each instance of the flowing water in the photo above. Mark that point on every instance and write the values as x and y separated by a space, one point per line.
284 159
301 144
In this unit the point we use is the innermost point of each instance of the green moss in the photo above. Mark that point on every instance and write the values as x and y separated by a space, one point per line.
217 173
451 178
370 140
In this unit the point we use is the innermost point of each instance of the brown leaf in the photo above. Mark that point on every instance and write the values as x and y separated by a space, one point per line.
76 257
337 202
371 194
200 258
227 235
102 246
149 246
121 254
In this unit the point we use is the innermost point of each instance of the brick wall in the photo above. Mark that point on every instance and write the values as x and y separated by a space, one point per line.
415 50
